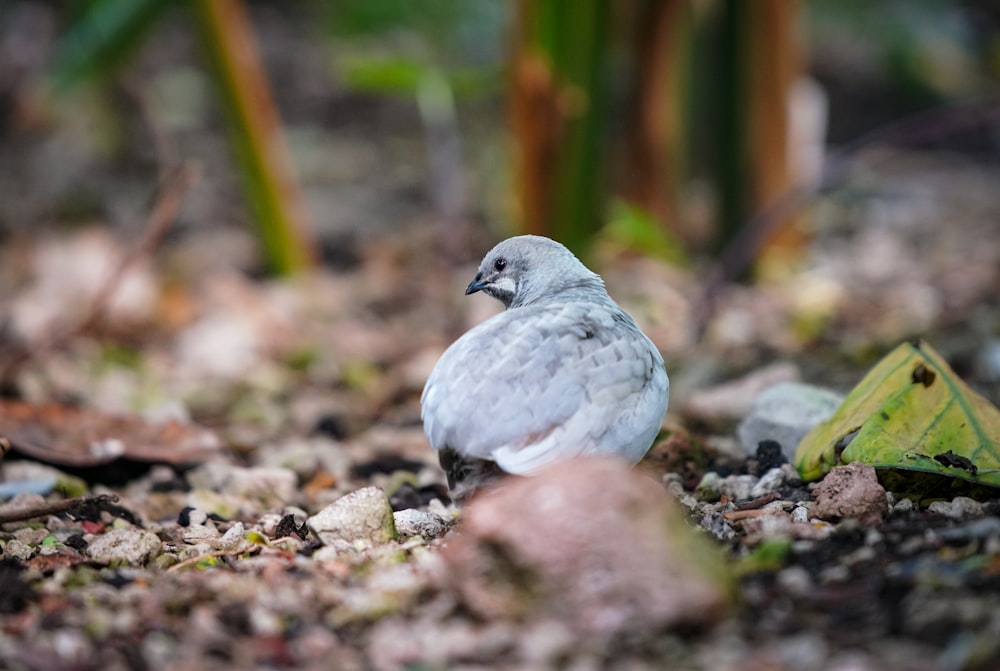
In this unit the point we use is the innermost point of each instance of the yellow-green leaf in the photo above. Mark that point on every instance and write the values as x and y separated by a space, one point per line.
910 412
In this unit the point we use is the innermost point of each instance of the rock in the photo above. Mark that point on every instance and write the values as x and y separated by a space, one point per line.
850 491
130 546
960 507
738 487
724 404
980 529
413 522
589 542
988 361
902 506
708 488
359 520
785 413
769 482
16 549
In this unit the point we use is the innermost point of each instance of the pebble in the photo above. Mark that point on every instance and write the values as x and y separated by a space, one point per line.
795 580
982 528
359 520
850 492
708 488
17 550
958 508
785 413
413 522
769 482
902 506
738 487
131 546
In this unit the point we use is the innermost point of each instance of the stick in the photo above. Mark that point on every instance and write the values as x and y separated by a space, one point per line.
69 505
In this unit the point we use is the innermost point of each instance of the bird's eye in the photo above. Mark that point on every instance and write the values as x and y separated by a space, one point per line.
499 265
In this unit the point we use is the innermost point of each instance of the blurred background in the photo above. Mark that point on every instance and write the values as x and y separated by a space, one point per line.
813 178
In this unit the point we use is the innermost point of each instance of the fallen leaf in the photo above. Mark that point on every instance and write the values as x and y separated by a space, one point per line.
910 412
68 435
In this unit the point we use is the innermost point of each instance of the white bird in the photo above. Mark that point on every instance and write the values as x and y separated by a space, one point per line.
564 371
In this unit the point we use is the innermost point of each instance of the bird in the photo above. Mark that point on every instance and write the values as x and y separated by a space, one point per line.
563 371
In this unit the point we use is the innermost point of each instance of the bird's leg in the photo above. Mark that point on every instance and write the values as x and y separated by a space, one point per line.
466 475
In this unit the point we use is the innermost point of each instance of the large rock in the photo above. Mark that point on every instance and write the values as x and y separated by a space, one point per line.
850 491
589 542
356 521
785 413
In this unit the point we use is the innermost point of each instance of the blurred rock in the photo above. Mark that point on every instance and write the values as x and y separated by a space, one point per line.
850 491
130 546
357 521
785 413
726 403
589 542
773 480
988 361
413 522
738 487
959 508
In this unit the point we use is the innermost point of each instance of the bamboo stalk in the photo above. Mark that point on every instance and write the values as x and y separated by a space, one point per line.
272 188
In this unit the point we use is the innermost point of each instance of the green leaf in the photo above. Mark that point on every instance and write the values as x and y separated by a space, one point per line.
101 35
911 413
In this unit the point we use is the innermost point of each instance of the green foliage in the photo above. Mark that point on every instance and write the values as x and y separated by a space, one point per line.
403 76
632 227
911 413
100 36
770 555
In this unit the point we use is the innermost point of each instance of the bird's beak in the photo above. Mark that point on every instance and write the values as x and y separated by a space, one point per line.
476 285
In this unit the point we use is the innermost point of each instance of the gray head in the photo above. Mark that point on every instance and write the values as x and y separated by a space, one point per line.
529 268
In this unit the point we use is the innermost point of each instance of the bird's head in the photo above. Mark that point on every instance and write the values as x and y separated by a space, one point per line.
529 268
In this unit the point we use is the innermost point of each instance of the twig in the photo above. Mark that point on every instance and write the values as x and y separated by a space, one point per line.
163 215
67 506
758 502
756 512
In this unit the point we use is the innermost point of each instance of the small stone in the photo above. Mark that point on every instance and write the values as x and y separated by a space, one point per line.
960 507
769 482
359 520
795 580
17 550
200 533
800 514
233 539
131 546
785 413
738 487
413 522
981 529
709 486
902 506
850 491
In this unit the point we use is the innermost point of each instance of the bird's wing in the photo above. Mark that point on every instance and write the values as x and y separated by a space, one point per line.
540 383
